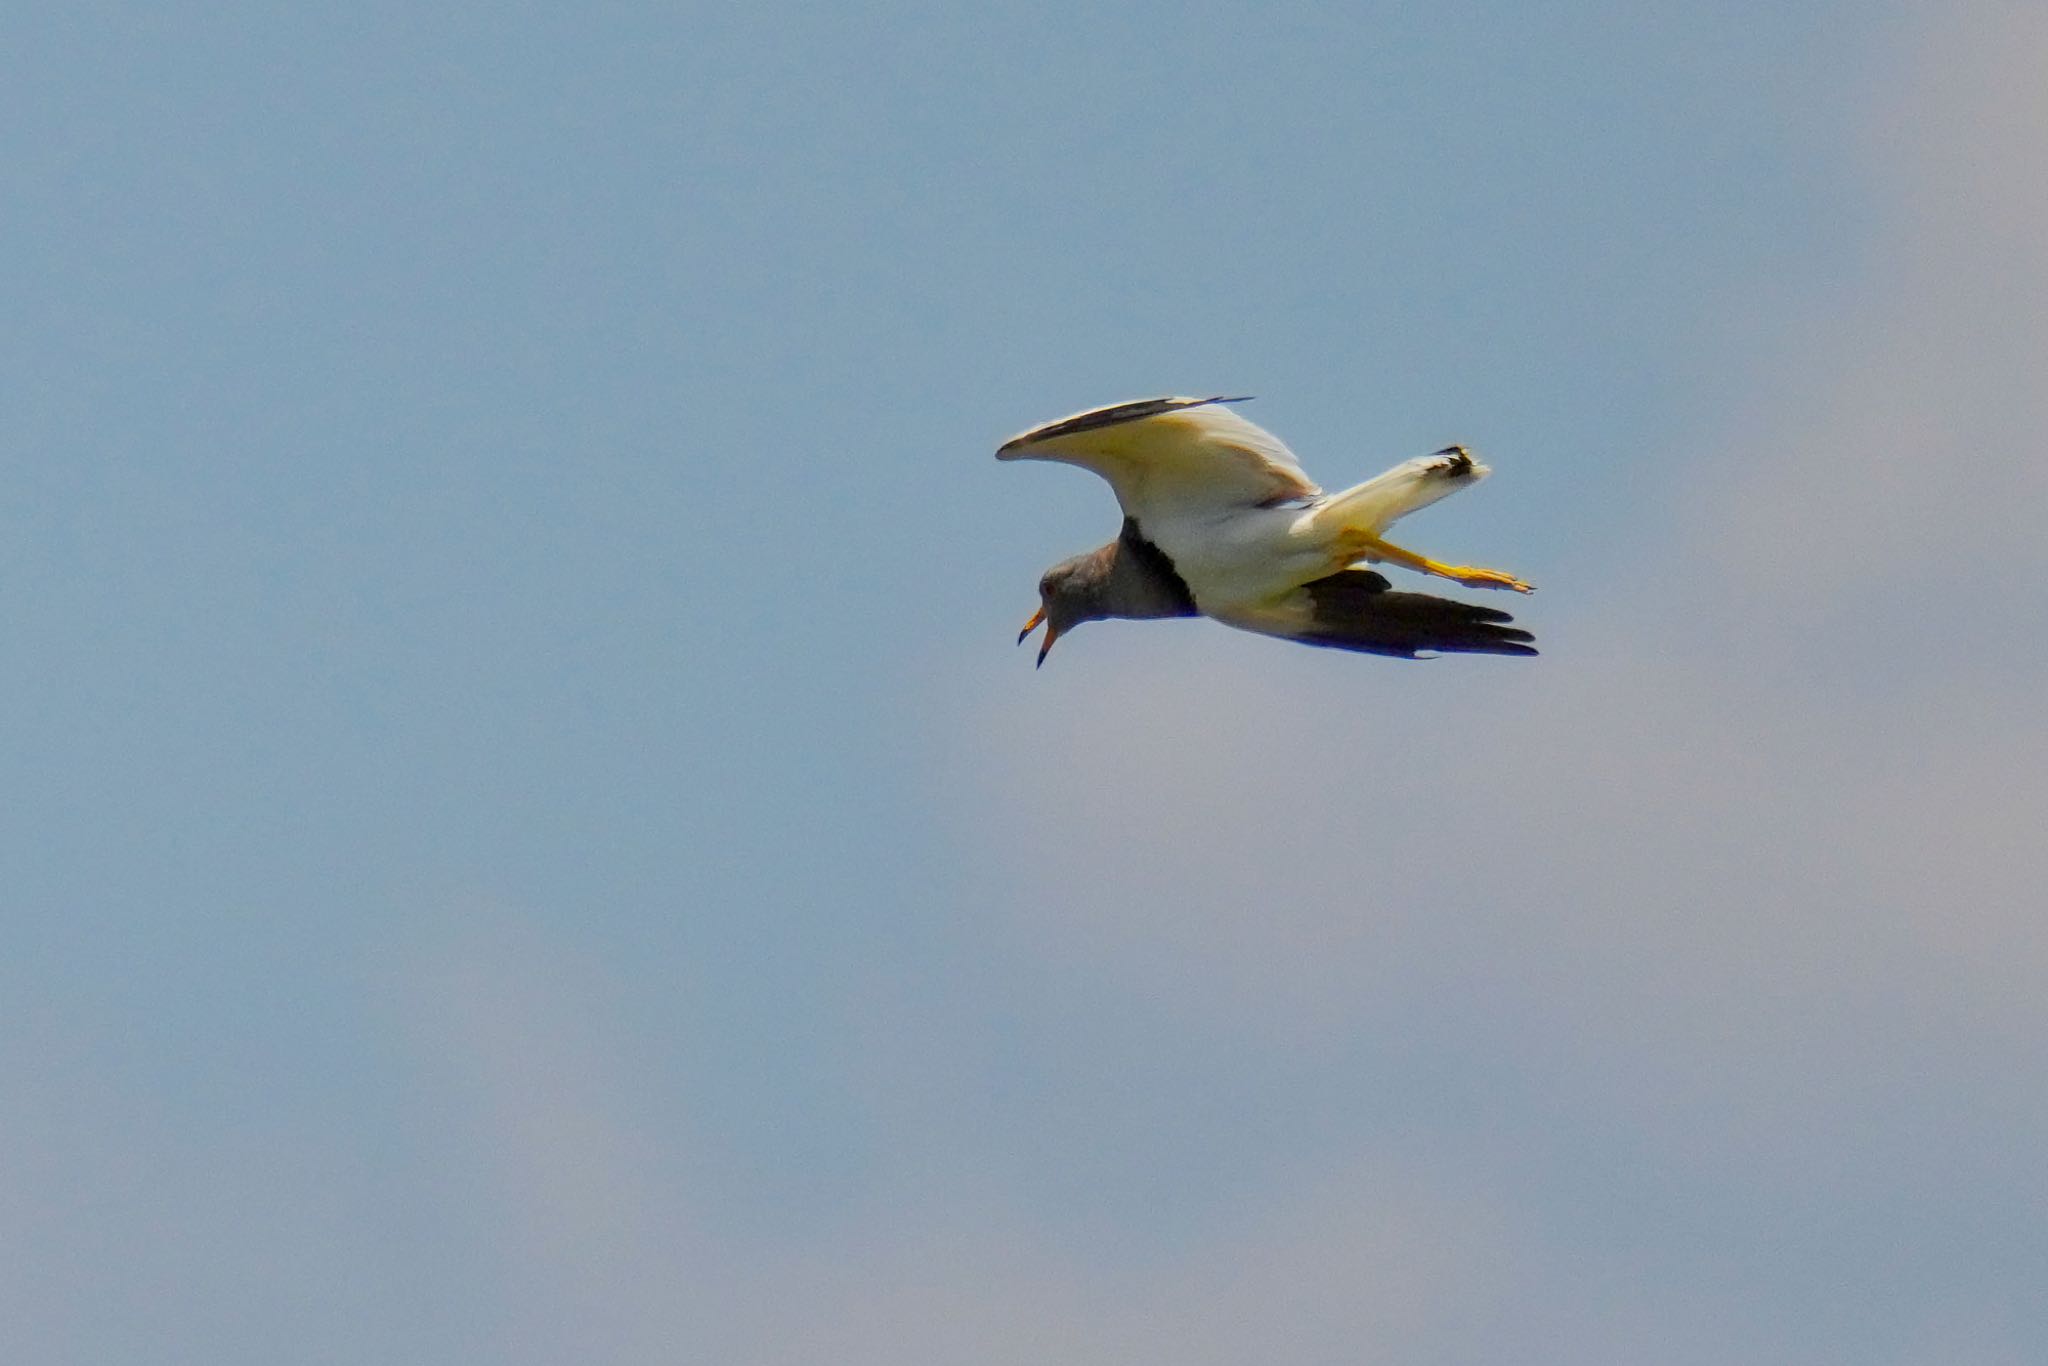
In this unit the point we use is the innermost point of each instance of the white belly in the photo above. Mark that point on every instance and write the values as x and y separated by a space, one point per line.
1241 559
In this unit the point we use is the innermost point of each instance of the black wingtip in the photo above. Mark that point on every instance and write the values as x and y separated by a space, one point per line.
1097 418
1352 610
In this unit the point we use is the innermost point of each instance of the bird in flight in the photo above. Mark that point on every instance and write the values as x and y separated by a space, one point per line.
1221 521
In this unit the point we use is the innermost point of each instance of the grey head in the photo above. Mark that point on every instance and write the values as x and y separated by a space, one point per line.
1130 577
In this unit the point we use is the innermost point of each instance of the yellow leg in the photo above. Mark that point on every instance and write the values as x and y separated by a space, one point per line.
1373 548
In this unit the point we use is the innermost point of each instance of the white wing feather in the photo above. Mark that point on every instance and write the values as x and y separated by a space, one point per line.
1172 458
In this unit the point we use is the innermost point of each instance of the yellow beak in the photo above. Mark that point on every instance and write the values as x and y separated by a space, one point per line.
1051 634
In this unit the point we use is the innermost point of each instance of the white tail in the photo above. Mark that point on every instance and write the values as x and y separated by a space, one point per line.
1378 503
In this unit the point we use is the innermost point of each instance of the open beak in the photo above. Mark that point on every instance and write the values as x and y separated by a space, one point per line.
1052 633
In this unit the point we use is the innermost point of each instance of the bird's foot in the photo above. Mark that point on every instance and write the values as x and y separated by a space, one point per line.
1472 576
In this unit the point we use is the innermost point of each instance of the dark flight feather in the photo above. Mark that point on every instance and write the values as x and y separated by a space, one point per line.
1115 415
1355 609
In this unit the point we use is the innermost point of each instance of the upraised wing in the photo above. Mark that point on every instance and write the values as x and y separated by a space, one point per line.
1176 455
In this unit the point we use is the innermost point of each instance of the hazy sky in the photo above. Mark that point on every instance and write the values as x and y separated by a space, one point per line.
531 842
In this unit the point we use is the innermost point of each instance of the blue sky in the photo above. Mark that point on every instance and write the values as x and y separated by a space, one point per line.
532 840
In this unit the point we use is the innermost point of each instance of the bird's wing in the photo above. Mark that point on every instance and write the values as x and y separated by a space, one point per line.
1357 610
1172 456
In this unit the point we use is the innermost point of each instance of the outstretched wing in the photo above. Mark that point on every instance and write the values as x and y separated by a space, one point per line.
1171 456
